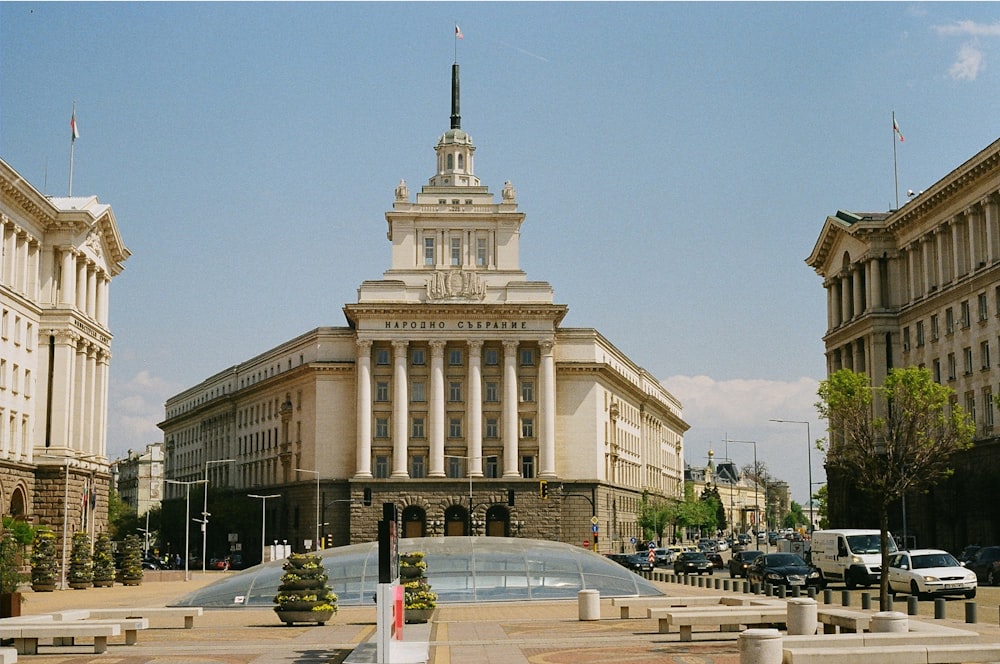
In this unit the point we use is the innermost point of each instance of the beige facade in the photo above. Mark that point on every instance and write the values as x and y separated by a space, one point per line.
57 260
139 478
452 388
920 286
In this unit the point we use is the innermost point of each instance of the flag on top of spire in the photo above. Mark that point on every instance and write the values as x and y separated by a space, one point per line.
458 32
74 131
895 128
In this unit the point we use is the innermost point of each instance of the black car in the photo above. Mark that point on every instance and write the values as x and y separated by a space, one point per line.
740 562
783 569
692 562
637 562
986 565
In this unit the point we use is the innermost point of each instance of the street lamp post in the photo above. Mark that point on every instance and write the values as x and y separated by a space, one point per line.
316 473
467 470
756 481
187 521
812 523
263 520
204 517
65 525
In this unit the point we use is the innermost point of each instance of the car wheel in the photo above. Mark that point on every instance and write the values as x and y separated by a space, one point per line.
970 594
915 591
992 578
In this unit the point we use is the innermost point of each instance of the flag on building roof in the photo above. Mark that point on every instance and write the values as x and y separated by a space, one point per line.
895 128
74 131
458 32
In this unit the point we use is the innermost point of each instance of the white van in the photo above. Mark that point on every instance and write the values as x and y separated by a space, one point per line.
850 556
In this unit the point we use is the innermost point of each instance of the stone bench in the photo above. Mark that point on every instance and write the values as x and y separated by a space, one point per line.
940 635
846 620
187 613
639 605
8 656
129 626
903 654
725 618
26 635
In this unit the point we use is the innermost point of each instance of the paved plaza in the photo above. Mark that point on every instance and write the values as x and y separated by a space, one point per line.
540 632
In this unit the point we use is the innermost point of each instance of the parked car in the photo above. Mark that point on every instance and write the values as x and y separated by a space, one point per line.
967 553
986 565
716 560
638 562
927 572
740 561
692 563
663 557
783 569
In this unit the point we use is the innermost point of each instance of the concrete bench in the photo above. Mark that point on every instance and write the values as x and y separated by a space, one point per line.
908 654
727 619
915 637
26 635
846 620
639 605
8 656
187 613
129 626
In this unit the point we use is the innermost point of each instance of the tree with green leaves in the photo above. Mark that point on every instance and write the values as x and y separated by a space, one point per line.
654 515
893 439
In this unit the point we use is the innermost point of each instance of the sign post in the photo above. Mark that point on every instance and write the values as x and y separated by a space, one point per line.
388 594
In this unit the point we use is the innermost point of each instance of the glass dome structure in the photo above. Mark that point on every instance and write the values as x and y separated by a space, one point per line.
459 569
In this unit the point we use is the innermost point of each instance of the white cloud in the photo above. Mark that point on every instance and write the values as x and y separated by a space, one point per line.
968 65
969 28
135 406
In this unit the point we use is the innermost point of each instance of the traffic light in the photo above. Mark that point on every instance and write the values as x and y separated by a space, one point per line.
367 500
543 489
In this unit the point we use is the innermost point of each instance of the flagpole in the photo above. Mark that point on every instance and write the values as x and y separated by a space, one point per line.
72 145
895 170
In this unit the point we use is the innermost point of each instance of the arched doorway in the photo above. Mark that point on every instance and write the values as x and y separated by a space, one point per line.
456 521
498 521
414 521
18 504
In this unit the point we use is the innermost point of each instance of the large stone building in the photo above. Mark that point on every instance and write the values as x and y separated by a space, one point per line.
453 392
920 286
57 259
139 478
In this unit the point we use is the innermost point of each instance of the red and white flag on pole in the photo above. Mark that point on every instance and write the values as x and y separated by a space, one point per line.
458 32
895 128
74 131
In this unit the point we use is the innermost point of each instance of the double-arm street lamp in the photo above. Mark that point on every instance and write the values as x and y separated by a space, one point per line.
263 520
187 520
205 515
316 473
812 523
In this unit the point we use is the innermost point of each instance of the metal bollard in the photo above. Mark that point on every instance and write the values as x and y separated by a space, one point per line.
866 601
811 592
781 591
970 613
827 596
746 587
939 608
795 591
755 588
717 583
889 603
845 597
725 584
913 606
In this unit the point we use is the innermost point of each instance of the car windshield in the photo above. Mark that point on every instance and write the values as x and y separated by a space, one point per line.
926 560
862 544
783 560
693 556
747 556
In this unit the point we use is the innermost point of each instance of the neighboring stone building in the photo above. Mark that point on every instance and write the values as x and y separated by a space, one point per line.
139 477
742 498
453 390
57 259
920 286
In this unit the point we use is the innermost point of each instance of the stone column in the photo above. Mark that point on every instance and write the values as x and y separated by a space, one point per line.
363 376
103 364
547 410
67 294
90 416
876 283
80 266
436 413
858 289
62 389
970 224
956 247
845 296
400 412
511 467
927 265
989 208
474 410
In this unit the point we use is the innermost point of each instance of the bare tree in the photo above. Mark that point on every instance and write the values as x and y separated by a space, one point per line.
892 439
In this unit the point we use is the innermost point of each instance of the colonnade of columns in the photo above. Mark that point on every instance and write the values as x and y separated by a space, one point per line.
83 285
473 434
19 260
79 395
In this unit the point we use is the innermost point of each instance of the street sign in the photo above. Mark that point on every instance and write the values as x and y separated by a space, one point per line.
632 539
652 556
593 529
593 520
652 545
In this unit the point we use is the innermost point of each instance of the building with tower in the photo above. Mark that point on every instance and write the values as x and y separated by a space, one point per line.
453 391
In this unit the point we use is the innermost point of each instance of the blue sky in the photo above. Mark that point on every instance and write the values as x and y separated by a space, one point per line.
676 162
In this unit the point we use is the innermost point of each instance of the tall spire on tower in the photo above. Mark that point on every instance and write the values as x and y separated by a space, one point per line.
456 116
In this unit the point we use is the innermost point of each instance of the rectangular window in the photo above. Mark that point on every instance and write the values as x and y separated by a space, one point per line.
455 427
967 358
454 467
381 390
949 321
382 356
906 338
417 392
3 374
381 427
492 469
935 328
920 333
492 428
455 357
481 252
527 391
417 466
491 357
966 317
417 429
428 251
528 467
17 330
970 405
951 367
527 427
988 407
527 357
937 370
983 308
984 354
381 467
454 391
419 357
27 383
456 251
492 392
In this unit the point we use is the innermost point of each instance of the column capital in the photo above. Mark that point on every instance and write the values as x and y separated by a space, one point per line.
475 345
510 346
437 347
364 345
546 345
400 347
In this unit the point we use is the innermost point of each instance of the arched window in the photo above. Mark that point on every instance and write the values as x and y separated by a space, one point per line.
461 160
451 161
414 521
498 521
456 521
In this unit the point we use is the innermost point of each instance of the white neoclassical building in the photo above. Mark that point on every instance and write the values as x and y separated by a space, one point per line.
453 392
57 259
